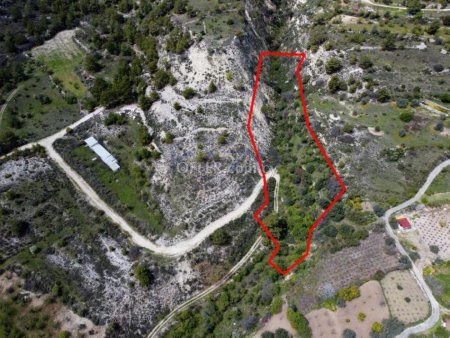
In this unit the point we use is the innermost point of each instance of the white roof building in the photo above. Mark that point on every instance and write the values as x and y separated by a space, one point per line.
104 154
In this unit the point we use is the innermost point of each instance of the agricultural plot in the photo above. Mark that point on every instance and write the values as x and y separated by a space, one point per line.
433 226
438 278
358 314
62 58
405 299
349 266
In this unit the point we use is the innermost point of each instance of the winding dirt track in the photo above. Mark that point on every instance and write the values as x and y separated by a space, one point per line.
370 3
177 249
11 95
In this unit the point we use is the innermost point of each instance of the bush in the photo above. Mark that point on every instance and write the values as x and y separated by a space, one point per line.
445 97
438 68
361 316
299 323
333 65
114 118
276 306
365 62
377 327
348 128
402 103
212 88
143 275
162 78
406 116
382 95
349 293
348 334
434 249
220 237
336 84
282 333
267 334
188 93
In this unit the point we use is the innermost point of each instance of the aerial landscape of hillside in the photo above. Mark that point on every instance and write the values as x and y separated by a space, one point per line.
211 168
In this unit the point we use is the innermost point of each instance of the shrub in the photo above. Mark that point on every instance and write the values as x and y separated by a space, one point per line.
220 237
446 20
64 334
445 97
333 65
348 128
336 84
439 126
212 88
377 327
162 78
188 93
434 249
267 334
114 118
402 103
177 106
365 62
406 116
361 316
276 306
282 333
349 293
382 95
438 68
168 138
348 334
143 275
299 323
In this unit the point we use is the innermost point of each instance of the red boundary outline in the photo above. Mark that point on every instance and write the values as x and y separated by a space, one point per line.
256 214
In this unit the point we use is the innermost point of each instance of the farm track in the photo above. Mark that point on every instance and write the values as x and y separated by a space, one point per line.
435 307
175 250
370 3
5 105
158 328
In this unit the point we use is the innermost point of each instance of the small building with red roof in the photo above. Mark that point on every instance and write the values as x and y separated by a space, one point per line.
403 222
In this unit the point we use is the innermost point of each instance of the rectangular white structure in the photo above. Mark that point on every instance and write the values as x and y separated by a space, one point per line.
104 154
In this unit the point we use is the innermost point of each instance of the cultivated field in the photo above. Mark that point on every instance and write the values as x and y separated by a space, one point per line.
405 299
326 323
433 225
346 267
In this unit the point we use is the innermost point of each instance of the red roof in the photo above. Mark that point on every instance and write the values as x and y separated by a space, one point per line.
404 223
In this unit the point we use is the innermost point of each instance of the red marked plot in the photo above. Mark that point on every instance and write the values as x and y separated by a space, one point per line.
301 57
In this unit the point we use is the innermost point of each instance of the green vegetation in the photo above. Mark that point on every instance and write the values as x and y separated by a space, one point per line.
299 323
129 188
276 306
143 275
349 293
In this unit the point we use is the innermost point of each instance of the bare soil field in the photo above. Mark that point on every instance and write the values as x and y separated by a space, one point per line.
326 323
405 298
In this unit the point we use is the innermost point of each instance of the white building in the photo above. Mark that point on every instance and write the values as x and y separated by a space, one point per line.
104 154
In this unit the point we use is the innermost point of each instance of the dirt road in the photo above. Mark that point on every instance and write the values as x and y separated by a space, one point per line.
6 103
370 3
94 199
